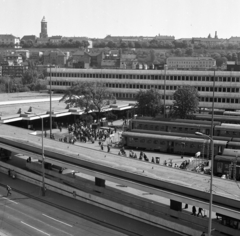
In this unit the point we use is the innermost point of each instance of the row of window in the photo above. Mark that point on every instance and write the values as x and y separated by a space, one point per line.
148 77
161 143
147 86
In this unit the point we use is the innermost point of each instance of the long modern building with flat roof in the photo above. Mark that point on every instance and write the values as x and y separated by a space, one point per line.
124 84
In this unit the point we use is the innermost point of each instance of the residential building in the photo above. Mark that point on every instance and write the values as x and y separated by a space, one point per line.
42 40
234 40
128 38
24 53
15 58
55 39
165 38
43 33
55 58
13 71
202 63
209 41
9 39
128 61
26 38
36 55
80 59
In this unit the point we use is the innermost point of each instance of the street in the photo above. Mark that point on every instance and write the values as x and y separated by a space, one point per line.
21 215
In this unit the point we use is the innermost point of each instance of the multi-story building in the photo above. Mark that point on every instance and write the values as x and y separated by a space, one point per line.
199 63
165 38
26 38
55 39
9 39
14 58
55 58
128 38
234 40
125 84
24 53
13 71
209 41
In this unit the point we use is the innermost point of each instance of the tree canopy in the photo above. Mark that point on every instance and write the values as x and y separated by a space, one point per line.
186 101
88 96
148 102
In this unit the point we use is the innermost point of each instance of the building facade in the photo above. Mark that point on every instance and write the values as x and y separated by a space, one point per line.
57 58
13 71
9 39
180 63
125 84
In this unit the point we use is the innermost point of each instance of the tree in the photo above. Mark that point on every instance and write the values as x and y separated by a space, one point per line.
186 101
88 96
148 102
189 51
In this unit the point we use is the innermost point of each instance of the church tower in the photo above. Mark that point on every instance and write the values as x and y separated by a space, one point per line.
43 33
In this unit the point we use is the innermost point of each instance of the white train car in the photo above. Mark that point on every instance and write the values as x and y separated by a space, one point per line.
124 84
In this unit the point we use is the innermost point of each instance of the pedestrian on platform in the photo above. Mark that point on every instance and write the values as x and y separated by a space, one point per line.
45 133
200 212
8 190
194 210
186 206
101 146
108 148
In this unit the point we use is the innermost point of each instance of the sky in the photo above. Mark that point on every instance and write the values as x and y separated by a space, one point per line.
99 18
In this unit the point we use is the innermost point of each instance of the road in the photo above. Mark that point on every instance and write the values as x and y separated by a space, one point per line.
20 215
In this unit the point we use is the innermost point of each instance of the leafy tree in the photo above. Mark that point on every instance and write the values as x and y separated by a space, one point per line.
148 102
178 51
186 101
88 96
111 117
189 51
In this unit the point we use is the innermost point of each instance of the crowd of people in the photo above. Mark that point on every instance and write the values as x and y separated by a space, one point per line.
82 132
142 156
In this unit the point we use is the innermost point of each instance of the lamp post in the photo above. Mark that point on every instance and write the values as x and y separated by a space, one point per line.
211 182
43 158
50 101
164 105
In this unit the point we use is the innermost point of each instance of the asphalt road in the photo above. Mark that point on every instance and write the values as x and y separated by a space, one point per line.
23 216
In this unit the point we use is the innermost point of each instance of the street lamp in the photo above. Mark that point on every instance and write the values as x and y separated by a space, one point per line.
211 182
164 106
43 158
50 100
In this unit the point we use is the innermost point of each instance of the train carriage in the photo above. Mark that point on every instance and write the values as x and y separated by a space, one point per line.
184 136
220 118
227 131
169 126
170 144
222 165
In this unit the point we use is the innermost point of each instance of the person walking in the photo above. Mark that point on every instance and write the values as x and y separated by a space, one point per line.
108 148
8 190
194 210
200 212
101 146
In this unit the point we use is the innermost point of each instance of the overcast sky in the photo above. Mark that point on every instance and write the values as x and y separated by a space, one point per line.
98 18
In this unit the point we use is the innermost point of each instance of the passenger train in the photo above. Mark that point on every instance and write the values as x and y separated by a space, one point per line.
124 84
175 144
219 129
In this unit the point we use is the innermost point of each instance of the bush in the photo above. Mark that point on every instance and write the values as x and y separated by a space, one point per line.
24 89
